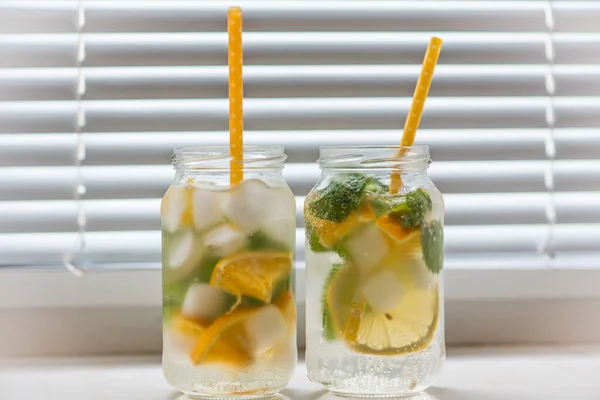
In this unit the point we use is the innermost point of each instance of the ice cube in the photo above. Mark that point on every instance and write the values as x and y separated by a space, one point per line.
173 206
224 240
184 253
177 346
264 329
206 204
280 223
321 263
367 248
252 205
282 231
421 275
204 303
383 291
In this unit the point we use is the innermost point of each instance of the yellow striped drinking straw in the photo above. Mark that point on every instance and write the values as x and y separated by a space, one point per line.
236 94
418 102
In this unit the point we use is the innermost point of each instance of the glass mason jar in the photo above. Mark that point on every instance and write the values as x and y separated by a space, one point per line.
229 316
374 302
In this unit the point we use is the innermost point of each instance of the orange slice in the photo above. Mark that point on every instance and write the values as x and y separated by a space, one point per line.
226 348
330 232
392 228
186 326
252 274
224 341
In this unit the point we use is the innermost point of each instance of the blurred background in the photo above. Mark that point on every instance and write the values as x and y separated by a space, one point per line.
94 95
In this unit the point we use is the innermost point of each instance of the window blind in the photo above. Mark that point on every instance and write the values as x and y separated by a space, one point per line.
95 94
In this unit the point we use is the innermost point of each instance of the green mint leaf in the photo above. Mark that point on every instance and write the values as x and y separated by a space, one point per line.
410 211
340 198
419 201
432 239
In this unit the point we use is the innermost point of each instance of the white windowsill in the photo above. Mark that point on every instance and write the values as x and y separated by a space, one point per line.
470 374
51 312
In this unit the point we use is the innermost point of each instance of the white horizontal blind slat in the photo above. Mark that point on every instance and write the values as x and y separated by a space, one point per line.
318 16
262 48
56 50
297 114
310 48
31 16
147 148
279 114
114 83
576 16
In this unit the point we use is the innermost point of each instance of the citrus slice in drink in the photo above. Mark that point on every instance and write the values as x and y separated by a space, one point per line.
225 349
223 341
252 274
407 327
392 228
340 290
186 326
403 242
240 336
330 232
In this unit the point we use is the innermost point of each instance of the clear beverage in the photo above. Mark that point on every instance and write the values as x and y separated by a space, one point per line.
374 286
229 316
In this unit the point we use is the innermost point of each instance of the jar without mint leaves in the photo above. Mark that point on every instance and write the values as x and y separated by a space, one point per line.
229 317
374 302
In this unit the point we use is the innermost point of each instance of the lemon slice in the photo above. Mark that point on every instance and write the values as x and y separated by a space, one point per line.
252 274
406 328
340 290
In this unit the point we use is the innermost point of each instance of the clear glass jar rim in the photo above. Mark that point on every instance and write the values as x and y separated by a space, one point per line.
374 157
219 157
